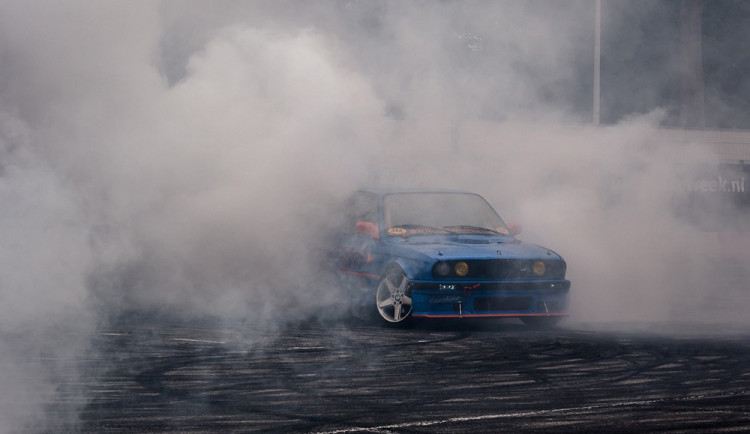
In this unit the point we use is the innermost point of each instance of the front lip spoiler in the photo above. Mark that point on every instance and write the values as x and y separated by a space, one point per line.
486 315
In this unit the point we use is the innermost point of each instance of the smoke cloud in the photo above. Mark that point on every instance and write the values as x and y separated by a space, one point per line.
183 157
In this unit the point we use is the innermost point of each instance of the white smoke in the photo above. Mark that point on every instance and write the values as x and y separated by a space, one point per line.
183 158
45 260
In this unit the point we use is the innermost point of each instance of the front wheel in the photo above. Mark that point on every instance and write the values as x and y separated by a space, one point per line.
393 298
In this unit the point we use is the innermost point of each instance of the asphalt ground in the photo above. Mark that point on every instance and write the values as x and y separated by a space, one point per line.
148 373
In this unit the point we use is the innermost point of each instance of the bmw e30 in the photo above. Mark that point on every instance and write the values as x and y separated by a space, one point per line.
445 254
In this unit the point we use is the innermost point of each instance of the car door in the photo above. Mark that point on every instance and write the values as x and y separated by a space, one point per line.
360 253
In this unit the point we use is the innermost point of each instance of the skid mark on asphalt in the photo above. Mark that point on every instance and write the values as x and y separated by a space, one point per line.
533 413
169 377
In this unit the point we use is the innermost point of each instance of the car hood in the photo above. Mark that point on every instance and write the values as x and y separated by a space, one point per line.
470 247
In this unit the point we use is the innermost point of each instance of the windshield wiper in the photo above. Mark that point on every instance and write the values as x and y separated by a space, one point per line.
469 228
410 229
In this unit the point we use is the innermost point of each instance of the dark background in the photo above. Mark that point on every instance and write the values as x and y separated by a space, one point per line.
642 65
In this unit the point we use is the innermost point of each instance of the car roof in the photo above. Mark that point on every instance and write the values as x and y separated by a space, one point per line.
387 191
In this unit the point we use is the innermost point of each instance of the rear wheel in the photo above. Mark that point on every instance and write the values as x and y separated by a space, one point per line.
393 298
358 295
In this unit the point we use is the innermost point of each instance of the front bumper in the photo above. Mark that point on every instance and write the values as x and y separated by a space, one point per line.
443 299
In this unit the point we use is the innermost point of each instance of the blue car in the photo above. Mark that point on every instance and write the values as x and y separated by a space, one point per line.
445 254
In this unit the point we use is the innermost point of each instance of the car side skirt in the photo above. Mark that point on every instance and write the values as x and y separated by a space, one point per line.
360 274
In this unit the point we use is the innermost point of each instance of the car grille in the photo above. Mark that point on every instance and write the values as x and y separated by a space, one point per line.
507 269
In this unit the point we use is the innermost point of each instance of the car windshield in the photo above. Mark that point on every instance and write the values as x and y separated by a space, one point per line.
440 213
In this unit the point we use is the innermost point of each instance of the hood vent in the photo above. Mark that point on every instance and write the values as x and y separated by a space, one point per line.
463 240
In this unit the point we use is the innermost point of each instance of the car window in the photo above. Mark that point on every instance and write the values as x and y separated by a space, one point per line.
453 211
362 207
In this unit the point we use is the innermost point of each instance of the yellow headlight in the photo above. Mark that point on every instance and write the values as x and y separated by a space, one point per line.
538 268
462 268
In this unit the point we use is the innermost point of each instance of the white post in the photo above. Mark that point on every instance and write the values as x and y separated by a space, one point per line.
597 57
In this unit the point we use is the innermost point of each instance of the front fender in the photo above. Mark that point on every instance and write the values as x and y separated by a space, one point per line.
412 268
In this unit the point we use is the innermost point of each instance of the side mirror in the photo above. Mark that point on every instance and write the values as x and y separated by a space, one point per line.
368 229
515 228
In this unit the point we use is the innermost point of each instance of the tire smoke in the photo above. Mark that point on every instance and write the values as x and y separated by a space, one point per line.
183 159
